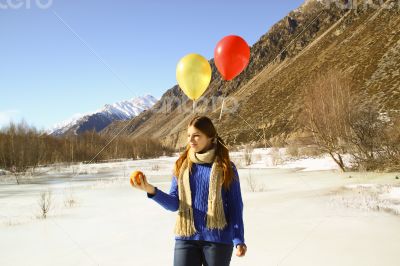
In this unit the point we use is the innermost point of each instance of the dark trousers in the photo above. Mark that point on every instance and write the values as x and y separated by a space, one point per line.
197 253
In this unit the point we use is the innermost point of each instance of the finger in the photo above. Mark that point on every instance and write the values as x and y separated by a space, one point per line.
134 182
144 181
142 184
241 251
238 252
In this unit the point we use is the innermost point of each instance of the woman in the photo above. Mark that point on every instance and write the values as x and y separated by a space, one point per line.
205 190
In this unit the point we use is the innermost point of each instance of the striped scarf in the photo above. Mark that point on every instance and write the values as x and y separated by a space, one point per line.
215 213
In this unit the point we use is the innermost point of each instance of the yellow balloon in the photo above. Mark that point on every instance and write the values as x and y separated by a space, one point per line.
193 74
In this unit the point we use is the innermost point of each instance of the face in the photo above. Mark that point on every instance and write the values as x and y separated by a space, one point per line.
198 141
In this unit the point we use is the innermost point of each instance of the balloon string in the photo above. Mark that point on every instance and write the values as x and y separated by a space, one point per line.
223 101
222 108
194 106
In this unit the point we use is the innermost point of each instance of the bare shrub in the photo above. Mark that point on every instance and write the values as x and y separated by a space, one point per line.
238 161
310 151
254 186
69 199
368 133
257 157
276 156
18 173
376 139
234 148
300 145
327 103
278 141
45 203
248 151
292 150
344 122
391 143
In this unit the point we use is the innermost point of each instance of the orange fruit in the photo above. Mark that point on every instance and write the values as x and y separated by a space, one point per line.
136 175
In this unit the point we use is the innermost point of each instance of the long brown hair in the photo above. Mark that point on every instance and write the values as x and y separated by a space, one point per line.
205 125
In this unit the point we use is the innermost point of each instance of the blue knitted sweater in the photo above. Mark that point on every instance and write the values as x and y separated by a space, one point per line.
233 233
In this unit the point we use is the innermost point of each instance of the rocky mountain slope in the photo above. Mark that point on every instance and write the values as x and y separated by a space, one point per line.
362 41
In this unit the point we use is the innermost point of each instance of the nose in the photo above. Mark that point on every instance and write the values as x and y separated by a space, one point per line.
191 138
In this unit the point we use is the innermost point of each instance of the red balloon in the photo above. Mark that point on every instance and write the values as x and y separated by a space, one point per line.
231 56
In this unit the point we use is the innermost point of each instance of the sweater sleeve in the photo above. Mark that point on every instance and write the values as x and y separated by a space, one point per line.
236 209
168 201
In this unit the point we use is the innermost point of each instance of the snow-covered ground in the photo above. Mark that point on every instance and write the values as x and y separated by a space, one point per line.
277 158
297 212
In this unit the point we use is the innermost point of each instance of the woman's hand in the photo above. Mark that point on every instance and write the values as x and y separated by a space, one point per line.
241 250
144 185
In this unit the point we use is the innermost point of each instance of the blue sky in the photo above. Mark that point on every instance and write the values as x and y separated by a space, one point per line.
75 56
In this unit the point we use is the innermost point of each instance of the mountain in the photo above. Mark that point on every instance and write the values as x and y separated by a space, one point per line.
362 41
98 120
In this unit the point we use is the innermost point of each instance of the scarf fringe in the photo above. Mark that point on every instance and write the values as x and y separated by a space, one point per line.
184 225
215 215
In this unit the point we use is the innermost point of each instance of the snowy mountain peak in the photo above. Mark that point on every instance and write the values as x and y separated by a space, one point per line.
129 108
101 118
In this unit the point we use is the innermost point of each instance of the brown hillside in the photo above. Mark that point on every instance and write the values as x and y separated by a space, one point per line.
365 43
